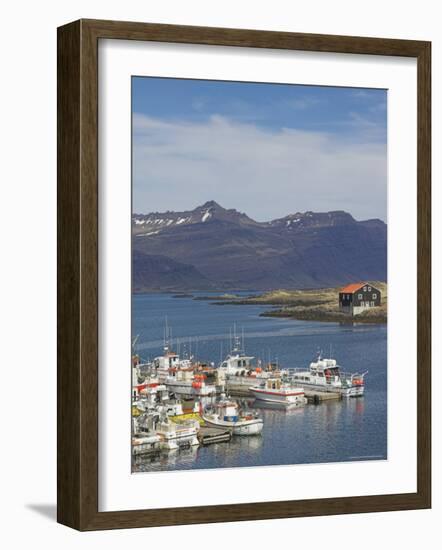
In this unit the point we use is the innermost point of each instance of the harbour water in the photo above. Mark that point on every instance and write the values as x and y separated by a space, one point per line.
333 431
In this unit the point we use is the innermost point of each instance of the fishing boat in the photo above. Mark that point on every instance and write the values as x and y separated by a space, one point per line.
238 370
226 414
171 435
182 376
139 381
274 390
327 376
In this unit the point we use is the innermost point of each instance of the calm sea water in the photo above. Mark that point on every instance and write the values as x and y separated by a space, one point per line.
334 431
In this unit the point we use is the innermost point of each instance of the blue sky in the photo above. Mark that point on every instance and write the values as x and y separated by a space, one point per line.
266 149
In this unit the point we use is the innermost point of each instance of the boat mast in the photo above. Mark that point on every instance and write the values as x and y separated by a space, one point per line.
166 335
134 343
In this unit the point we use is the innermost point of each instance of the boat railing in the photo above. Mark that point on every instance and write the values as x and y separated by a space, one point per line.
291 372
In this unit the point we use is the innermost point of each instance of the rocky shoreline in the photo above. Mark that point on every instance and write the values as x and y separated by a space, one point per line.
325 316
307 305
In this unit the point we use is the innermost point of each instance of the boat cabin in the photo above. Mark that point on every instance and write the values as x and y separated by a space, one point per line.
228 411
325 368
273 384
236 363
168 360
170 364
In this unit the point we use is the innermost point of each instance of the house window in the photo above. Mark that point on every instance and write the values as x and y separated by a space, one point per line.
375 296
369 289
365 289
360 296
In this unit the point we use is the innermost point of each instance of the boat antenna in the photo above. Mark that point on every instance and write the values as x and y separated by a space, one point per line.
166 333
243 344
134 342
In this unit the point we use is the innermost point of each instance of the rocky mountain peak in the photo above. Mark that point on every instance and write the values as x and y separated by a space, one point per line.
211 246
210 204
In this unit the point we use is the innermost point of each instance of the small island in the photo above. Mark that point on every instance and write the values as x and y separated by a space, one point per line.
313 305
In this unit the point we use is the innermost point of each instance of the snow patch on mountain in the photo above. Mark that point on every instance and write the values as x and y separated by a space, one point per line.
206 216
148 234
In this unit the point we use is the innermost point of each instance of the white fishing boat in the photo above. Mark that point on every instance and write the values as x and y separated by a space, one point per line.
181 376
274 390
148 396
138 381
326 375
226 414
171 435
238 369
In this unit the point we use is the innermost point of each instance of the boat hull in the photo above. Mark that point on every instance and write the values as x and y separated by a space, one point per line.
351 391
143 444
174 441
246 427
295 398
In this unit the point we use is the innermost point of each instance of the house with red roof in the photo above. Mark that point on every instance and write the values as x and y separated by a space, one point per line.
357 297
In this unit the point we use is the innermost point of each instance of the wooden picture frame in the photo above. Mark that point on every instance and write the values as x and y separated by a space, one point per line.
77 462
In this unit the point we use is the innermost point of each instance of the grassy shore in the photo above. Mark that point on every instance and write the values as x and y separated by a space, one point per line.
313 305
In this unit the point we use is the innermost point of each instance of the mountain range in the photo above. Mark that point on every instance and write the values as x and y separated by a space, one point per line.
214 248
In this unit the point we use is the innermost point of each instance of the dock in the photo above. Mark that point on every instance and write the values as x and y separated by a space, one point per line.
317 397
208 435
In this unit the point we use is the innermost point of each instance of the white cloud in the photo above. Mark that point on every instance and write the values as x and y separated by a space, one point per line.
265 173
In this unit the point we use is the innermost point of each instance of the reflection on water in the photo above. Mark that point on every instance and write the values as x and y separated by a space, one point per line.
333 431
162 459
